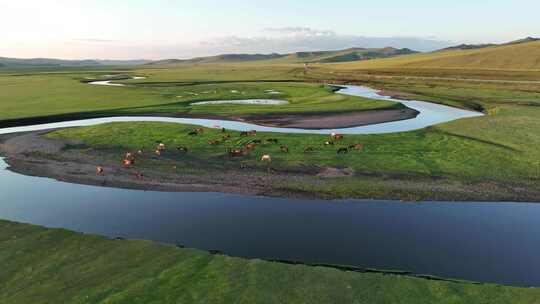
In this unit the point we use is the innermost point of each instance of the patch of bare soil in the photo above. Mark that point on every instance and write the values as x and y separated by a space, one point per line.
329 172
331 120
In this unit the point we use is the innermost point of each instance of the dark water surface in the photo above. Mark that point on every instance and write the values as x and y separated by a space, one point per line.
488 242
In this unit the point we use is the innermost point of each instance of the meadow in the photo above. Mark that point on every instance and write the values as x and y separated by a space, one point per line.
27 97
43 265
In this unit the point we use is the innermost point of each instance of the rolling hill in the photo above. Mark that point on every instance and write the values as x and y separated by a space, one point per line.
347 55
517 55
50 62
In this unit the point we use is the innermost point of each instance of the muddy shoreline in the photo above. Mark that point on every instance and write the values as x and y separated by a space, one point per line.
314 121
34 155
331 120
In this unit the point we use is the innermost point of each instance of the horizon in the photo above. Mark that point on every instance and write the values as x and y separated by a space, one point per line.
165 29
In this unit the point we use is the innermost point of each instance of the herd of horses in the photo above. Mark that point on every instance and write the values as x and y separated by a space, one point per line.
243 150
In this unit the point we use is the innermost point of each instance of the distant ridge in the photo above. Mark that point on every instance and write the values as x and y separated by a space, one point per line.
50 62
525 40
523 54
468 47
351 54
481 46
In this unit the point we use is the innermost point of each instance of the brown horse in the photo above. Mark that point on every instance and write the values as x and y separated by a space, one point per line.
213 142
357 147
236 152
250 147
284 149
309 150
337 136
272 141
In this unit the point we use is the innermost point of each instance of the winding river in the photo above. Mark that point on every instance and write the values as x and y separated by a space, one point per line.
430 114
487 242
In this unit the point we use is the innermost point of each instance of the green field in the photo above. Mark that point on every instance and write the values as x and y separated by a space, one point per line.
495 157
42 265
166 92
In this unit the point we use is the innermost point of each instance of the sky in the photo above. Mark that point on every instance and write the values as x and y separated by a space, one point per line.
159 29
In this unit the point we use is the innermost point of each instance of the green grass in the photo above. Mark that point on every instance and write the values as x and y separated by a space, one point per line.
41 265
451 151
47 94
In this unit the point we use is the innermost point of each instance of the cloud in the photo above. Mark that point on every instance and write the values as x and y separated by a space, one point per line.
300 31
294 39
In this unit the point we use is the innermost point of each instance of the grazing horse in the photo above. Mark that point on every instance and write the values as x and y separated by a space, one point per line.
236 152
127 163
328 143
129 156
213 142
284 149
272 140
199 130
256 141
99 170
226 137
342 151
244 133
309 149
182 149
337 136
250 147
266 158
193 133
357 147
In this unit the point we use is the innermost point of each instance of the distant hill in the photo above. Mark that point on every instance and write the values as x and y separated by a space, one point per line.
468 47
352 54
525 40
49 62
481 46
520 54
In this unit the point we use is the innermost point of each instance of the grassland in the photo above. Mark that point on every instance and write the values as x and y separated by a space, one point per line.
68 96
495 157
42 265
498 149
459 152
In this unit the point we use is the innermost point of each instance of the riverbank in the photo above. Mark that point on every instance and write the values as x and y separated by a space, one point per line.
317 121
72 155
73 266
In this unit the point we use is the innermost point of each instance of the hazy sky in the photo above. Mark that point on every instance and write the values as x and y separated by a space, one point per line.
122 29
